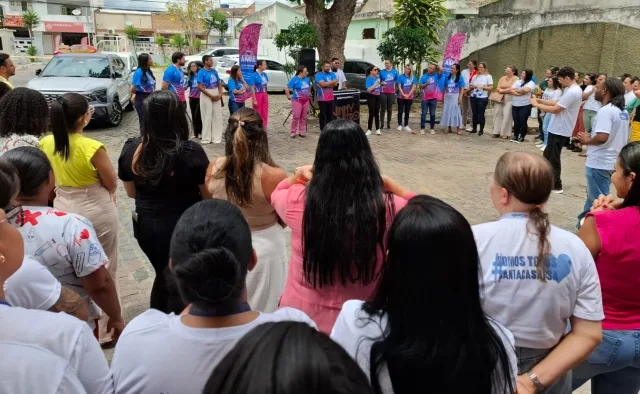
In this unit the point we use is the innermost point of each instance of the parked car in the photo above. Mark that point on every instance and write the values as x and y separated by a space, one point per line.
355 70
275 70
216 53
102 78
130 61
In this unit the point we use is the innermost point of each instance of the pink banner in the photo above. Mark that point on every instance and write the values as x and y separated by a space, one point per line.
452 53
63 27
249 48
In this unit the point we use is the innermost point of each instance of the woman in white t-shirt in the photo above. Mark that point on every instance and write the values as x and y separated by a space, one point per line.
210 255
591 106
287 357
552 94
480 85
537 277
425 321
521 107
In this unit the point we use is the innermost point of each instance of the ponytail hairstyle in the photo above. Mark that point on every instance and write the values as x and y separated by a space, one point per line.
65 116
629 160
246 145
9 182
210 254
556 82
529 179
143 64
616 90
32 166
592 77
165 131
458 72
528 76
234 72
258 64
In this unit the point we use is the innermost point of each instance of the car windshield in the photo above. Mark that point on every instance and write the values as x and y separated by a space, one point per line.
229 63
77 66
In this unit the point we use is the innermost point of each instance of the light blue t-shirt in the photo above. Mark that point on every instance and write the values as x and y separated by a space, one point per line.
389 78
370 82
325 94
232 84
143 87
301 88
260 81
209 79
175 77
406 84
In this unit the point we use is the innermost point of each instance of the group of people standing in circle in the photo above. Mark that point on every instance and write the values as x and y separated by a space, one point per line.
205 92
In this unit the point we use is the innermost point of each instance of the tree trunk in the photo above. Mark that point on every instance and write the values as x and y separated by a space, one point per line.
331 25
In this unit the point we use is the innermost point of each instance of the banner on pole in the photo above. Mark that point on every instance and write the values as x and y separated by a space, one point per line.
452 53
249 48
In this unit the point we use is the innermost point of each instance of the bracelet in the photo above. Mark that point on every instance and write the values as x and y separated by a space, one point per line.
536 382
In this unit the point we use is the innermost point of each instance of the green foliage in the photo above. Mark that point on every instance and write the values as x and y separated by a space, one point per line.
178 41
290 69
32 51
300 2
132 33
216 21
405 45
1 16
161 42
30 19
429 15
300 34
197 45
189 14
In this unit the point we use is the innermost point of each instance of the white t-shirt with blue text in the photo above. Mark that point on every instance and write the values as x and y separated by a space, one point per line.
615 122
535 312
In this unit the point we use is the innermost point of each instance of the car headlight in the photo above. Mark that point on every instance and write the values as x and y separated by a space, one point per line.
99 96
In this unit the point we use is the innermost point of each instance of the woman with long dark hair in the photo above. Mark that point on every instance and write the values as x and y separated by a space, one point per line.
287 358
373 86
247 176
86 182
259 92
537 277
610 231
428 239
453 95
552 94
338 218
211 254
194 97
480 85
142 85
591 105
24 115
164 171
238 89
521 107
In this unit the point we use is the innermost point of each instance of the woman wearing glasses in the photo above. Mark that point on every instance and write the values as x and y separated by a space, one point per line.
373 85
85 179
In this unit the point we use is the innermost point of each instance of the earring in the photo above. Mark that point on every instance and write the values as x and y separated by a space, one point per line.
2 259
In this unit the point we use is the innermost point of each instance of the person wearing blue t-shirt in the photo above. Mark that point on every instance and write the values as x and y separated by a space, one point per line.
210 88
374 88
194 97
388 76
174 78
406 87
301 86
327 81
238 90
453 87
258 82
142 85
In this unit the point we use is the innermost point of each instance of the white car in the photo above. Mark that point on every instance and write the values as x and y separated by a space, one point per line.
275 70
216 53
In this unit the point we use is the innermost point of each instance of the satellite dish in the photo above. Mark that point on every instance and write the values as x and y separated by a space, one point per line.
76 12
129 23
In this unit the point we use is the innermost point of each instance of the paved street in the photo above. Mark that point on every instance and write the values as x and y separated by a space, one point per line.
451 167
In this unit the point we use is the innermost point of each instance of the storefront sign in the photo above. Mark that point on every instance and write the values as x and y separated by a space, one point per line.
64 27
12 21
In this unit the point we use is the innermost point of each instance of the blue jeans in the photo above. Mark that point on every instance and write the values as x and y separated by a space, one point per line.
545 127
429 105
598 182
614 367
529 358
234 107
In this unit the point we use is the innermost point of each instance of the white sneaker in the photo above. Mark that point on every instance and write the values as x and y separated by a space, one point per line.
399 128
469 128
542 148
432 131
539 144
422 131
557 191
368 133
378 132
406 128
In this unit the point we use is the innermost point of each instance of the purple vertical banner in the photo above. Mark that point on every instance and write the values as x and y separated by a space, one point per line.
249 48
451 56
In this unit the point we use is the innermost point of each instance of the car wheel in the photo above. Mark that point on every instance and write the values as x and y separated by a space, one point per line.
115 118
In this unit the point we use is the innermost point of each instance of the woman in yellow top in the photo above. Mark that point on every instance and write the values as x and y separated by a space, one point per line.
85 179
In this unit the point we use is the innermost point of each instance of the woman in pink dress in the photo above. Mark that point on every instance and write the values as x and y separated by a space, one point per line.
338 219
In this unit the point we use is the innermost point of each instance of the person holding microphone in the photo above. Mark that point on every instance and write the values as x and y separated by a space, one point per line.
373 85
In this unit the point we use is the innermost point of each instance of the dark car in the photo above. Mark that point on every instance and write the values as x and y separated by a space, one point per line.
355 70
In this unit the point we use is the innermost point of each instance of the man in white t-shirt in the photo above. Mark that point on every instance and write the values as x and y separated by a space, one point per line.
563 120
609 134
629 95
335 67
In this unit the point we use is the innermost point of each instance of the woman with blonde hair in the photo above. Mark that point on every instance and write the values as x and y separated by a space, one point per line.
246 176
85 179
502 119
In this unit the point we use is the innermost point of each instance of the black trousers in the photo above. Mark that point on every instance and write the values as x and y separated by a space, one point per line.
552 152
520 118
478 107
386 106
404 107
196 119
154 237
138 104
326 112
373 102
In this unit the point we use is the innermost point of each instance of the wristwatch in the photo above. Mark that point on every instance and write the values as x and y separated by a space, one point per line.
536 382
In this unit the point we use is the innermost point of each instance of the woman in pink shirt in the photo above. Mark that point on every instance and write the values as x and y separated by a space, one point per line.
338 221
611 232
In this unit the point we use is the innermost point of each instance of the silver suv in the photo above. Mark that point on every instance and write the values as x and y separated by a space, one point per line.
102 78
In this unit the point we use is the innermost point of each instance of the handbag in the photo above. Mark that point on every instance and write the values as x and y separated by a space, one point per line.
496 97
